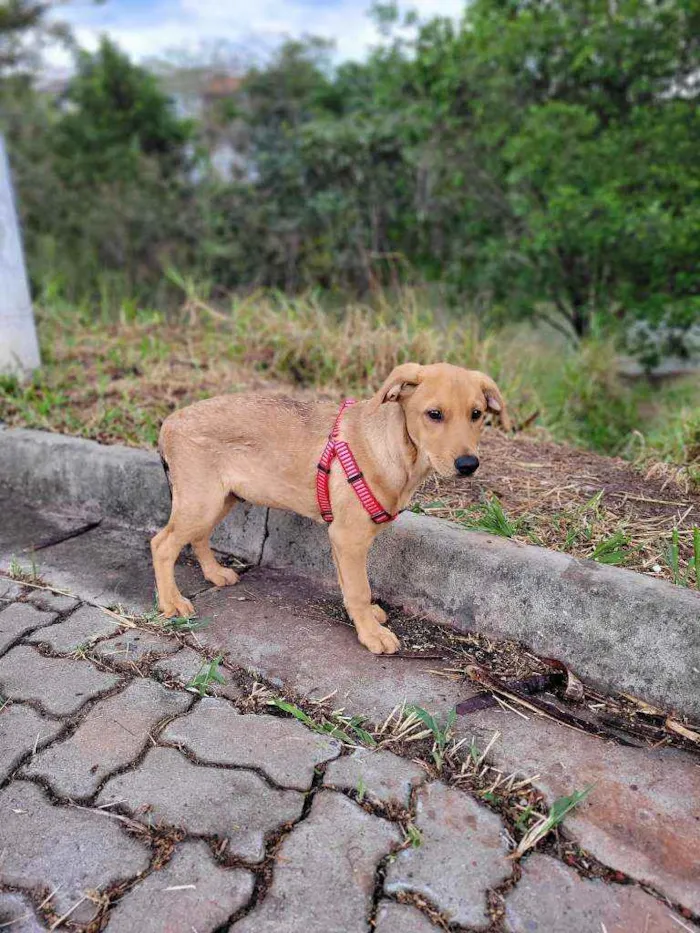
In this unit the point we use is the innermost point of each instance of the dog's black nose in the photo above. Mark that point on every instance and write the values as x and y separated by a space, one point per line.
465 466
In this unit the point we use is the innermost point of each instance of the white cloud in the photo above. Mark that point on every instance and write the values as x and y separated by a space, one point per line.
148 29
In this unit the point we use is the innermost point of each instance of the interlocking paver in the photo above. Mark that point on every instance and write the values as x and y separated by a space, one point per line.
61 685
21 730
551 898
112 735
181 667
215 732
191 893
18 618
17 915
9 589
133 646
379 776
237 805
400 918
461 856
64 850
642 816
324 873
81 628
52 602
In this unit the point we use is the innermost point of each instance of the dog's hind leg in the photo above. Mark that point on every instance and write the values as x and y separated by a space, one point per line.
165 548
191 521
211 568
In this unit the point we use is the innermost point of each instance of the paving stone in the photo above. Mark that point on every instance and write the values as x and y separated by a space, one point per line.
384 777
87 851
207 897
112 565
134 646
60 685
17 915
18 618
461 856
81 628
324 873
551 898
21 730
237 805
283 748
9 589
24 529
181 667
400 918
290 631
111 736
642 816
52 602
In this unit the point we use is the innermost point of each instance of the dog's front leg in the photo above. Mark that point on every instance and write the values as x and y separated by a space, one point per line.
350 548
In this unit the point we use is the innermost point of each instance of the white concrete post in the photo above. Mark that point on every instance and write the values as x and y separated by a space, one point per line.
19 350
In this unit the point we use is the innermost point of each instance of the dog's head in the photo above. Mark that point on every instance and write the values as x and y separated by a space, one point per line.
445 408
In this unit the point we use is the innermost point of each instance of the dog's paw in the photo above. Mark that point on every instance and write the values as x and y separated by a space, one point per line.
379 640
179 607
378 614
222 576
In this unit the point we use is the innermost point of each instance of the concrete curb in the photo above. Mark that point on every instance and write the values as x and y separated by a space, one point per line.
617 628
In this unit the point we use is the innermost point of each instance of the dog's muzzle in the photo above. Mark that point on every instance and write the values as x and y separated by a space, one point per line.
467 465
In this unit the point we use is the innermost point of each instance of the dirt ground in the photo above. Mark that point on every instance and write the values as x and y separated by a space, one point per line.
549 487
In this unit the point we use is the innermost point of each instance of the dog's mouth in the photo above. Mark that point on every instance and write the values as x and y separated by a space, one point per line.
445 469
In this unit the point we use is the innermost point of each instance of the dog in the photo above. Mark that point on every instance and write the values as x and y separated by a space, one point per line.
355 470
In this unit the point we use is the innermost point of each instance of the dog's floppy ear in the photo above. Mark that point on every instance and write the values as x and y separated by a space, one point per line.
400 381
495 402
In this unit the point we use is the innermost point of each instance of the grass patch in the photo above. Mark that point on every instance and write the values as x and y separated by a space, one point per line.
116 381
491 517
348 730
21 574
208 675
441 732
545 824
612 550
414 836
181 624
690 576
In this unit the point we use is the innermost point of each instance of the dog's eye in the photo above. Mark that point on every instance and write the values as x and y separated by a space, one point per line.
434 414
476 414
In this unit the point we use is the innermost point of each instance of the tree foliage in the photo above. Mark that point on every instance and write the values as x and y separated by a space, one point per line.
539 155
537 158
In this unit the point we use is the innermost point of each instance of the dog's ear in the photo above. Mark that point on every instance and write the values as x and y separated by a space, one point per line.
495 402
400 382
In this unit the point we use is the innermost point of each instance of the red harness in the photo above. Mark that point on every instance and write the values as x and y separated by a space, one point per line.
340 449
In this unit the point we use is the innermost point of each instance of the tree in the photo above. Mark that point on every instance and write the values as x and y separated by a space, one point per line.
24 31
557 143
115 114
595 107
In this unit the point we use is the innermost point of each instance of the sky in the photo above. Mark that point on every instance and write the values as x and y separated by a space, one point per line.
148 28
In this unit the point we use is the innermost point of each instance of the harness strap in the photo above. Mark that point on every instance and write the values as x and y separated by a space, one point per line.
340 449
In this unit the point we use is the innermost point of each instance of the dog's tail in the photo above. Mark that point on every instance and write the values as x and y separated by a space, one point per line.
166 470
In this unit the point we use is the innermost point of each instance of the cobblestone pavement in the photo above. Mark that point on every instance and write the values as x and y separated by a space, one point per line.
129 802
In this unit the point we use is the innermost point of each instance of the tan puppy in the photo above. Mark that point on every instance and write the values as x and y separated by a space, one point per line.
265 450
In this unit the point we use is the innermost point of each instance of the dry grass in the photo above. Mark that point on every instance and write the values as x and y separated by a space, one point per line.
565 499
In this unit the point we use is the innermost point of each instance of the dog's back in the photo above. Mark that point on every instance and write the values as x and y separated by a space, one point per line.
261 448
